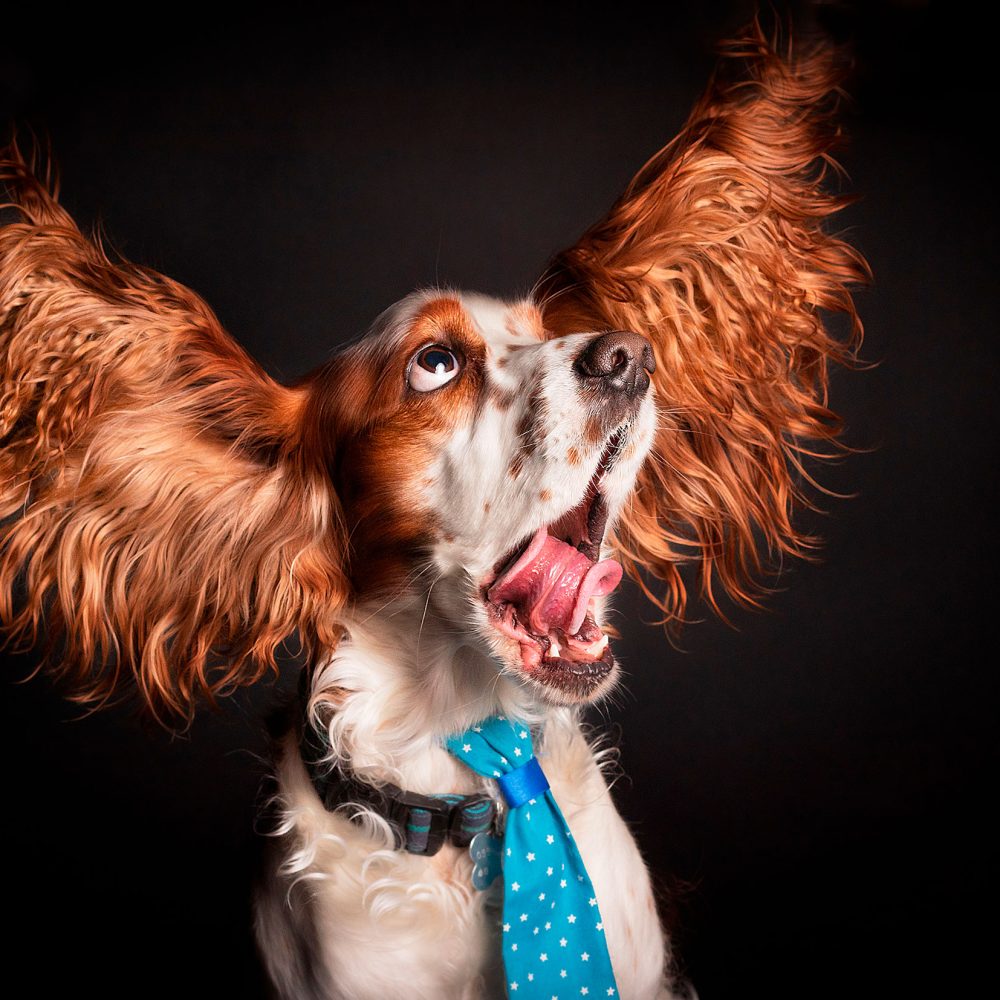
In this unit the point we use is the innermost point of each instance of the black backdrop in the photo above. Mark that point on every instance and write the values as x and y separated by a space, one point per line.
806 785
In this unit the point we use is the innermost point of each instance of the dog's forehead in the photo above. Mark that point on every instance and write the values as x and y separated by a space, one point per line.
504 324
427 315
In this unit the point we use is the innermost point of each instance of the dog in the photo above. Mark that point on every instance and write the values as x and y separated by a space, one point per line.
441 513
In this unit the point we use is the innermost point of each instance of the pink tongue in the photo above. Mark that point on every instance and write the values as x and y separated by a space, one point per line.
552 582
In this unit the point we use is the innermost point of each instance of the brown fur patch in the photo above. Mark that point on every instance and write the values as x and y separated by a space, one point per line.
594 431
500 396
533 417
573 456
545 496
384 435
516 466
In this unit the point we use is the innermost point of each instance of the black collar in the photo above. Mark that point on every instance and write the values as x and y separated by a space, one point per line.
422 823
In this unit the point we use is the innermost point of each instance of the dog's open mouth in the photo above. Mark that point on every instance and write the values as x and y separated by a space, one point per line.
544 591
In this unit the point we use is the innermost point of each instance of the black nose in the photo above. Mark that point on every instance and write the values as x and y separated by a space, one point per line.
617 362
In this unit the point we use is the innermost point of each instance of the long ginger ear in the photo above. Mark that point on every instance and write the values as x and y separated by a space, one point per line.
160 503
717 253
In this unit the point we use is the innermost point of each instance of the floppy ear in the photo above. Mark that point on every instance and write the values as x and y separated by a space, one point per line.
717 253
161 505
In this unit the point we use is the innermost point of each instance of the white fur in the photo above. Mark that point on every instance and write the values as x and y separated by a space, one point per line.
343 914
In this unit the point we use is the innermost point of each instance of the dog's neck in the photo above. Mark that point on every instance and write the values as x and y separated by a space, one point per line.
404 676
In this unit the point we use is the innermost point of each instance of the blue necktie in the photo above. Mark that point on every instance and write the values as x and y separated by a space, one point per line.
553 935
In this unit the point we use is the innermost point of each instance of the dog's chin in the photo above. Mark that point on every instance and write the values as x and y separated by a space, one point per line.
561 680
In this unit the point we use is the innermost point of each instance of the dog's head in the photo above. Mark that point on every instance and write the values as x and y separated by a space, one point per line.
480 457
169 510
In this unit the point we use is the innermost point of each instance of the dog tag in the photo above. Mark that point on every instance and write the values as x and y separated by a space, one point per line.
486 860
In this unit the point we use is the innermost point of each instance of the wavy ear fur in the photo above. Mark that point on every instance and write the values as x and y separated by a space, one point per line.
717 253
159 505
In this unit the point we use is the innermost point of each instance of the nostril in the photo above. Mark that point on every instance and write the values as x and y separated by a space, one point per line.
648 361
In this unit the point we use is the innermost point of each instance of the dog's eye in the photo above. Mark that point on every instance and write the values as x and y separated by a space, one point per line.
431 367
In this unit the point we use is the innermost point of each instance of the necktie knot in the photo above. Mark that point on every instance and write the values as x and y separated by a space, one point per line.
522 784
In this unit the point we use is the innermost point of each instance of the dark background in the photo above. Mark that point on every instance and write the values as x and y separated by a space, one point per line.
809 786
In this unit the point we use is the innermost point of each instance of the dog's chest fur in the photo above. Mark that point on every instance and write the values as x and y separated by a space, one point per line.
359 920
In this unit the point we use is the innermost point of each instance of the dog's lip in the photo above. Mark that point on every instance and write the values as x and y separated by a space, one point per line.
575 677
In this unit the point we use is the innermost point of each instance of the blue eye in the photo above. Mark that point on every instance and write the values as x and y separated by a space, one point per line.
432 367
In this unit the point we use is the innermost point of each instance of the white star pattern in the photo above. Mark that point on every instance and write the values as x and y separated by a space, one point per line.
590 973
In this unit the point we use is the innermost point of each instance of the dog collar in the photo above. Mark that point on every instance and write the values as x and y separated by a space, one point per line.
422 823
